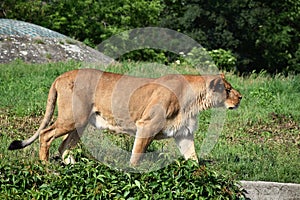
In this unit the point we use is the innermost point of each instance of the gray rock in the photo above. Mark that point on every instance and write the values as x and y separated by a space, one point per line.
42 50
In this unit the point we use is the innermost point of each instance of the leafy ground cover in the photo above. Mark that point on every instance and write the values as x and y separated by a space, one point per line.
91 180
259 141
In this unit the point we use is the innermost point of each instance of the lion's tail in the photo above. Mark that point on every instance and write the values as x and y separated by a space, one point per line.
52 97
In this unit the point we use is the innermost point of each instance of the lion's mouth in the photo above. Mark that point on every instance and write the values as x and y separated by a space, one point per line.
232 107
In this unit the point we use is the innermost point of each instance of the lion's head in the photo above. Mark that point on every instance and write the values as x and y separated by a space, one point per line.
224 95
233 97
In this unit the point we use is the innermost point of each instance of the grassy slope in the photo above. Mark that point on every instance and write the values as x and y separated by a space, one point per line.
260 140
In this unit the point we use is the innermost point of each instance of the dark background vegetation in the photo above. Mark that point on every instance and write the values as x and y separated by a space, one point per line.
261 34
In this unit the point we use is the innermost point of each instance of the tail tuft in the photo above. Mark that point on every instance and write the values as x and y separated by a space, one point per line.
17 144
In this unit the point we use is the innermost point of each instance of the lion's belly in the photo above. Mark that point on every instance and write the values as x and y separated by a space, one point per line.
178 128
171 129
100 123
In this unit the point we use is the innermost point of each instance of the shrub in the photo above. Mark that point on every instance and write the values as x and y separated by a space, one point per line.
225 60
91 180
90 21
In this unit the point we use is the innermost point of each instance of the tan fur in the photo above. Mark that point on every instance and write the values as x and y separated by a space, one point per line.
145 108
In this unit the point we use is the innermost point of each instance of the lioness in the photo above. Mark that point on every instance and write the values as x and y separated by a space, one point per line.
146 108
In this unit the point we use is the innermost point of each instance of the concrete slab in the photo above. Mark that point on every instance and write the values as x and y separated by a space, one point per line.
260 190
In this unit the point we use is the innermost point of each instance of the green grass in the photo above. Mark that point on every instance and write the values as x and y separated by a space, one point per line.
24 87
259 141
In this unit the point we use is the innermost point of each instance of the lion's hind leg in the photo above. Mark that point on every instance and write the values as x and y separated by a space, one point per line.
48 135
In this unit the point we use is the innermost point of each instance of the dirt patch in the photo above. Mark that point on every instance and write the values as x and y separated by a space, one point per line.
19 127
280 129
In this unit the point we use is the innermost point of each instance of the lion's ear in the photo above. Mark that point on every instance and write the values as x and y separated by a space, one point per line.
222 76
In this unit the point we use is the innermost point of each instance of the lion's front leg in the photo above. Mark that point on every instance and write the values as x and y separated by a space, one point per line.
70 140
144 136
151 124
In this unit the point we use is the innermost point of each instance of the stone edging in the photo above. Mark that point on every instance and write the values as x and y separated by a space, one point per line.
260 190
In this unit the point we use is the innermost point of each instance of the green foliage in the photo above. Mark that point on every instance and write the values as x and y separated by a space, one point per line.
209 60
263 34
225 60
150 55
91 180
279 34
91 21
